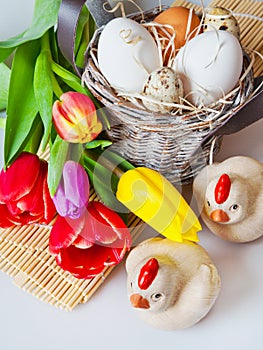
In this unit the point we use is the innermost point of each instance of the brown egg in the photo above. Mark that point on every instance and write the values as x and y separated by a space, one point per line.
183 20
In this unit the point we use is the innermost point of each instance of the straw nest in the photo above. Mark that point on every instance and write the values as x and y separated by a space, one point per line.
164 142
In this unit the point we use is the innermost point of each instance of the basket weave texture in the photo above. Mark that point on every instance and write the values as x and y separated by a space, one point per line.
163 142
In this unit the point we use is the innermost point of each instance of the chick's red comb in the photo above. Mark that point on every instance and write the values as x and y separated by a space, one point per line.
148 273
222 189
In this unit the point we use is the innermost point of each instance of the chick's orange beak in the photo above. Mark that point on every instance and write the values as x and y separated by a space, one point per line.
138 301
219 215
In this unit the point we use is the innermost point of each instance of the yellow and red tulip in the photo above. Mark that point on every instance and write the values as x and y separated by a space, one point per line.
24 195
85 246
75 118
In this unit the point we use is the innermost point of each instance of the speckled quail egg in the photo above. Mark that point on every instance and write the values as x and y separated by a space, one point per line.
163 86
220 18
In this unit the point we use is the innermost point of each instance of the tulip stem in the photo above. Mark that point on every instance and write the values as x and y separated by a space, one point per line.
104 181
103 161
110 160
101 113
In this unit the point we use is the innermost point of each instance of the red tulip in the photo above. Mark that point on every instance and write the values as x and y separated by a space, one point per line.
75 118
85 246
24 195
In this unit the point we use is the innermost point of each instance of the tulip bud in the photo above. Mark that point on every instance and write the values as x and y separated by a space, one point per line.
75 118
72 194
151 197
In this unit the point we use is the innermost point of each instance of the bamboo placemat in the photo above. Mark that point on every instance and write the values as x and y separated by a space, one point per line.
24 255
24 251
247 13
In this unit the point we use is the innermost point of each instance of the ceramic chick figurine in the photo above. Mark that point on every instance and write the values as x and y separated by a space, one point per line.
172 285
229 196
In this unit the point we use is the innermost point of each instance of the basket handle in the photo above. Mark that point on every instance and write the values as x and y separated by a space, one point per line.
68 18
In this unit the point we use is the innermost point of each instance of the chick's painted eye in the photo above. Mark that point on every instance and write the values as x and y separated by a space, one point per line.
156 296
208 203
234 207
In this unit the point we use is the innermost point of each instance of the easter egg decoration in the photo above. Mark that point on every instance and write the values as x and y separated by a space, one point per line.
171 285
219 18
164 88
209 65
127 54
181 22
229 196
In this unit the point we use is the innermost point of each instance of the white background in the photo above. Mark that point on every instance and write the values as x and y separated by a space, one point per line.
107 321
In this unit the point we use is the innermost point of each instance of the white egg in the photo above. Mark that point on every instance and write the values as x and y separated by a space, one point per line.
127 54
209 65
163 85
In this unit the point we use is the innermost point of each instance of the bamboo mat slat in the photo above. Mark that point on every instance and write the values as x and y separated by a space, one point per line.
251 28
24 251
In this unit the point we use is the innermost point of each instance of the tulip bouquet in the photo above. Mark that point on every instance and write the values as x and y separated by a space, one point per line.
47 107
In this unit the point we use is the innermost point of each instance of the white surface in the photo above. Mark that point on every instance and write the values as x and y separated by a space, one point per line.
108 322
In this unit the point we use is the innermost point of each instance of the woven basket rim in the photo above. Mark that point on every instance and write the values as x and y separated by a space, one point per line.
129 112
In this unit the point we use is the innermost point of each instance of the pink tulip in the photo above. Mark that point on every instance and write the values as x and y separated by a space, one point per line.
72 194
75 118
85 246
24 195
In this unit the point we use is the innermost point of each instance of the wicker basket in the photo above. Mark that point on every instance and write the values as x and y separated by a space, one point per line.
158 141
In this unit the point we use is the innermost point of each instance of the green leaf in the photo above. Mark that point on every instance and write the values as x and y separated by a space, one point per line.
98 143
2 122
43 90
105 183
4 86
33 140
92 27
4 53
21 108
116 161
53 45
70 79
82 36
58 157
75 152
45 16
85 31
